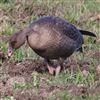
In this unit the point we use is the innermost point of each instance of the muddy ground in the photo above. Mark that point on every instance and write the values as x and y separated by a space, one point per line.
29 79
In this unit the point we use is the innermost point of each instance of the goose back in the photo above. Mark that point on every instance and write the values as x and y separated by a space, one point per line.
53 37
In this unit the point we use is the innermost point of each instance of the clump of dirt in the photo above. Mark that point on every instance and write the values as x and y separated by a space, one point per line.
96 55
28 95
2 56
78 90
4 38
72 66
2 89
26 67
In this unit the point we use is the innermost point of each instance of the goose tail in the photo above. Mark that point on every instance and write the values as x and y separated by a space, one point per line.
87 33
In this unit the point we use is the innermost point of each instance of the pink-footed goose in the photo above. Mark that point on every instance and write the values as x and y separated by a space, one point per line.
51 38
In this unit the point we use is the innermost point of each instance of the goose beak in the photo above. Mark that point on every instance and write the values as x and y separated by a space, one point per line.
10 52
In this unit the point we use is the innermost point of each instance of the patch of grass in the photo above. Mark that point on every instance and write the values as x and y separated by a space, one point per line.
9 30
24 53
35 79
7 98
19 55
3 46
62 95
67 96
78 78
22 86
5 1
92 5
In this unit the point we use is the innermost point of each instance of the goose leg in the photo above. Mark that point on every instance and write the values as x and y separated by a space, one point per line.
50 67
57 70
59 66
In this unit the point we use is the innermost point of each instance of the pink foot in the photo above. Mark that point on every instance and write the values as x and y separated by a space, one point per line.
57 70
51 69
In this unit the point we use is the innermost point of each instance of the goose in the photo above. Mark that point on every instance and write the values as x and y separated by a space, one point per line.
52 38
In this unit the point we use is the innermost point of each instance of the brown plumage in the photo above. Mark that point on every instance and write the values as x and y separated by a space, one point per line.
51 38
